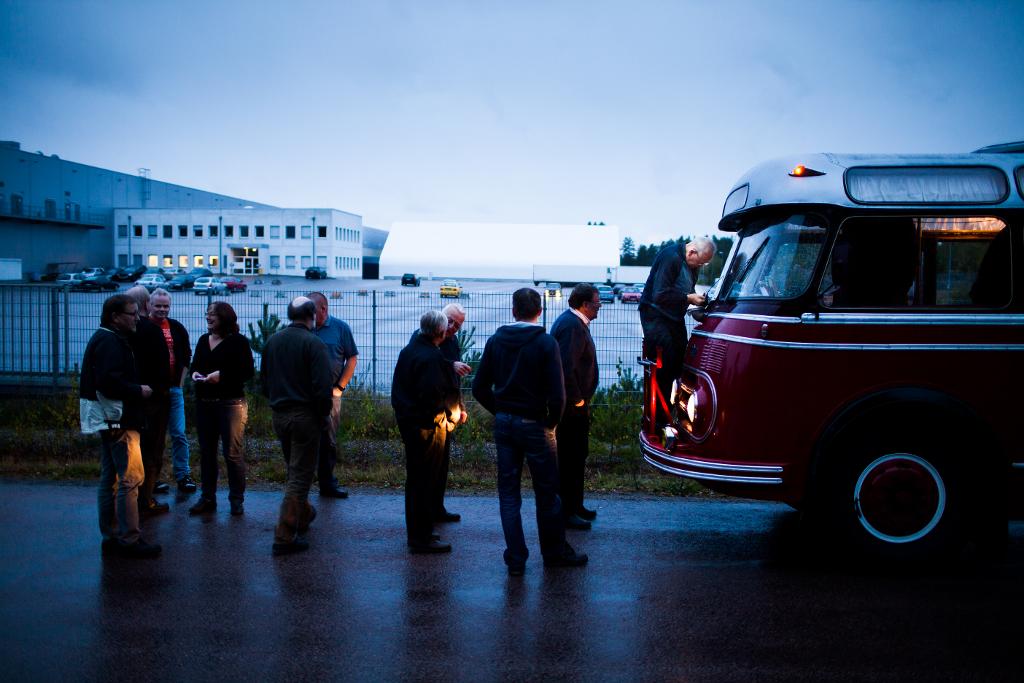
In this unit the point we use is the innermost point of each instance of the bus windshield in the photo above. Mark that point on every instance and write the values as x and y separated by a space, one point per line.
775 259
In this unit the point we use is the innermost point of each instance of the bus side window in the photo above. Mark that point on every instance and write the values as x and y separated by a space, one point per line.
873 264
992 285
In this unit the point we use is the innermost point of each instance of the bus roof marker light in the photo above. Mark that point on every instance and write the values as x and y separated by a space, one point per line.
802 171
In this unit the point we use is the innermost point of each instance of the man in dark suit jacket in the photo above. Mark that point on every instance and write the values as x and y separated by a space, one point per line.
579 366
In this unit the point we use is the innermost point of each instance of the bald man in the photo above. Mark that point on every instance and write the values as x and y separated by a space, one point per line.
296 377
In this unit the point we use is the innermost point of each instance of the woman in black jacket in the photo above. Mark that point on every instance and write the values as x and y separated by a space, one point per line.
221 365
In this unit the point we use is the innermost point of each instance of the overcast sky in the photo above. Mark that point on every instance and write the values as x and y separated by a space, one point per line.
641 114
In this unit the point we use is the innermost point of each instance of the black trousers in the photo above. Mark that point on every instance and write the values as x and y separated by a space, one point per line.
573 438
670 337
441 480
153 440
424 453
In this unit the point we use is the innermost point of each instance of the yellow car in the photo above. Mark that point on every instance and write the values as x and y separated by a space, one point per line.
451 289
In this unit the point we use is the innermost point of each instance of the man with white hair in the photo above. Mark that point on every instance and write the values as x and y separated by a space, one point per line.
427 403
296 376
670 290
179 349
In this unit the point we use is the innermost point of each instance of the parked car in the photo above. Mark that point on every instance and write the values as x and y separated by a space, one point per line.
151 281
129 273
206 285
55 270
617 289
183 281
410 280
316 273
200 272
606 294
234 284
68 279
451 289
553 290
95 283
630 295
90 272
171 271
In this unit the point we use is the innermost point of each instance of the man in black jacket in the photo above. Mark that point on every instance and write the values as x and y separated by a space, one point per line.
153 361
519 379
296 376
426 399
670 289
579 366
110 391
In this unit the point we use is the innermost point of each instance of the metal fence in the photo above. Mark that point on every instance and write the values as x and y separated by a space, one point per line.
44 329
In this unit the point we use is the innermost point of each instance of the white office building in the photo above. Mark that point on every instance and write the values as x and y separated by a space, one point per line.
247 241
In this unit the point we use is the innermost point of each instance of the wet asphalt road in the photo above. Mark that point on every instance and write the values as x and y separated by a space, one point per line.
676 590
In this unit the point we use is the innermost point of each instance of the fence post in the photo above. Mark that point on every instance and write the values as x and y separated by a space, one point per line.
54 337
67 332
373 327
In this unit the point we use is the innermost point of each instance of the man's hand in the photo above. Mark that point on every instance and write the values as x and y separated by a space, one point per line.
463 417
580 404
213 377
147 391
461 369
696 299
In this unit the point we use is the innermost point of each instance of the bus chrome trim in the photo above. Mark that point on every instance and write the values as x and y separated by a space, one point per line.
819 346
1018 465
702 476
911 319
738 473
757 318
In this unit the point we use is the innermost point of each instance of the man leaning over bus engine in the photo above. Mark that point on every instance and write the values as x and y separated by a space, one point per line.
670 289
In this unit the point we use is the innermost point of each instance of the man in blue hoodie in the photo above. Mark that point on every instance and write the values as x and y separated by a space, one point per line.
520 380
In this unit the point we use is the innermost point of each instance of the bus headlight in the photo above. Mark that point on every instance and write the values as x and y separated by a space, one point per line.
691 407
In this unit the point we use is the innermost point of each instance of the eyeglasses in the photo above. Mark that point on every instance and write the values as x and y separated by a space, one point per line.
594 303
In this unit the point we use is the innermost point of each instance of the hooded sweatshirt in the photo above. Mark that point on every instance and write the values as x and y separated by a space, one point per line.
521 373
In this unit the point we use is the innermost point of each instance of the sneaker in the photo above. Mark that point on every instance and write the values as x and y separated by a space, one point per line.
333 492
237 508
161 487
445 516
153 509
140 550
567 558
429 548
585 514
186 484
575 522
203 505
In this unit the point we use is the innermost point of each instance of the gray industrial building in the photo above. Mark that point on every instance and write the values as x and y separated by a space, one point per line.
58 211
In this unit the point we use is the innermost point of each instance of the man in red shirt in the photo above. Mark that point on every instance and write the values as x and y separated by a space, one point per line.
179 349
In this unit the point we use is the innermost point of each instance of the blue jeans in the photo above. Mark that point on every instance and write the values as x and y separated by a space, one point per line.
121 475
176 430
517 438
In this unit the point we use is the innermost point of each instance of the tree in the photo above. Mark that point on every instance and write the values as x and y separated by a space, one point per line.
628 253
265 327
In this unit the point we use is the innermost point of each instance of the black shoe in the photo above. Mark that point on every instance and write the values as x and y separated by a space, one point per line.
140 550
186 484
296 546
585 514
516 570
567 558
574 522
153 509
429 548
333 493
203 505
445 516
161 487
433 537
237 508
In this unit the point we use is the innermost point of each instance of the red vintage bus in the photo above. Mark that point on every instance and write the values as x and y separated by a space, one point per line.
860 356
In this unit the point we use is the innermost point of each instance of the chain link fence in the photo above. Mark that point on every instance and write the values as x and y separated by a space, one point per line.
44 329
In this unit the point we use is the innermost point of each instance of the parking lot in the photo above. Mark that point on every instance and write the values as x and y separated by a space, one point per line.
44 328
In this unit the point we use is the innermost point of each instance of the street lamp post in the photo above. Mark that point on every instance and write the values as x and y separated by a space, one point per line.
129 264
314 242
220 244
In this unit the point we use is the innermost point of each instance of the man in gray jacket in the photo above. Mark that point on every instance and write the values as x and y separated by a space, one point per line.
296 375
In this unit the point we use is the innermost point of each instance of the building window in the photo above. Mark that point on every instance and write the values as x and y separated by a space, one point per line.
67 211
229 231
137 230
275 232
243 231
213 261
17 204
213 231
321 261
152 261
151 231
197 261
122 232
168 233
307 232
197 231
289 232
122 259
306 262
275 262
321 231
259 231
50 207
183 260
289 262
183 231
168 261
